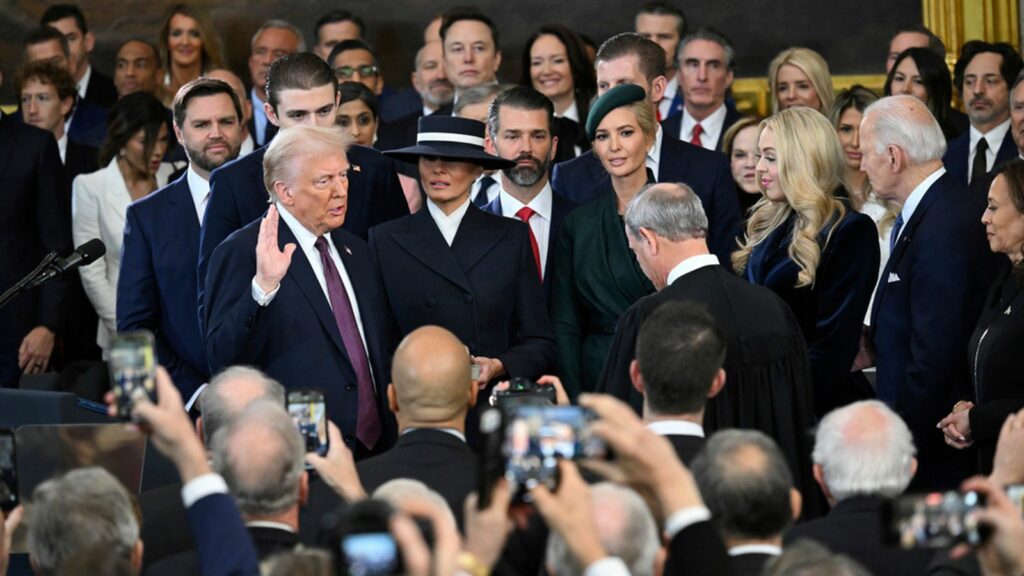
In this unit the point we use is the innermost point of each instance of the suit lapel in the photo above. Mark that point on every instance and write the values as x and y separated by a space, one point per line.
475 239
673 160
424 242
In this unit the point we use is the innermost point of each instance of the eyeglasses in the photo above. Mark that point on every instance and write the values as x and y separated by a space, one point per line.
348 72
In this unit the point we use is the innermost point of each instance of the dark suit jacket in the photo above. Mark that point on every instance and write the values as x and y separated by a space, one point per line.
100 90
36 219
271 131
853 528
79 341
222 544
268 541
164 527
484 287
238 196
80 159
708 173
295 339
560 208
698 550
438 459
749 564
398 133
959 151
687 447
156 289
927 301
88 124
673 124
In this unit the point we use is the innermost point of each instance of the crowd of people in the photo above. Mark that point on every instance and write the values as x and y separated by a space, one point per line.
780 325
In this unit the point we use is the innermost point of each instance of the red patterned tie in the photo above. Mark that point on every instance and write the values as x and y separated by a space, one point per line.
368 427
524 214
697 131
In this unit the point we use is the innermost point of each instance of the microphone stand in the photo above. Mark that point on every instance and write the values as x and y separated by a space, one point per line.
28 281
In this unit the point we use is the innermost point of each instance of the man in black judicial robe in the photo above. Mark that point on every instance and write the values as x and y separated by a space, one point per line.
768 385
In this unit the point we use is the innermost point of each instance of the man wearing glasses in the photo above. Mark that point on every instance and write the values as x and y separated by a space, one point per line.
355 61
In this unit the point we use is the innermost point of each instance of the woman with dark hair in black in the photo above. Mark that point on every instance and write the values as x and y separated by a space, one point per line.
921 73
555 64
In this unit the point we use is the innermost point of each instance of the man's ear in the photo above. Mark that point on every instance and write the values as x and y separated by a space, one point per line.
304 488
199 432
283 193
796 503
819 476
497 62
90 42
554 148
635 377
474 394
137 552
717 383
178 134
392 398
658 86
271 114
651 238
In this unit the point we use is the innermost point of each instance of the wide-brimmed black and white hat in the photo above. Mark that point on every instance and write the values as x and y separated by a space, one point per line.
450 138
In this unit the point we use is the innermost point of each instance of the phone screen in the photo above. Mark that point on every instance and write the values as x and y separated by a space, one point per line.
8 471
309 413
370 554
132 370
536 436
933 520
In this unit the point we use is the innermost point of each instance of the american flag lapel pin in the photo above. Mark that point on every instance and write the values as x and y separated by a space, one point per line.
356 168
348 250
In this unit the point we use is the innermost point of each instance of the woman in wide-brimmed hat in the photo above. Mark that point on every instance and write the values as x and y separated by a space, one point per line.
456 266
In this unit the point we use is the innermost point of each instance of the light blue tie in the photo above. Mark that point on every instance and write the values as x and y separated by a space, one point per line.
895 233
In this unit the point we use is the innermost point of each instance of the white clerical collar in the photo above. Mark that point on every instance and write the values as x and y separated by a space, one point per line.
654 154
541 203
676 428
994 136
83 84
62 147
689 265
451 431
769 549
711 127
447 224
572 112
915 197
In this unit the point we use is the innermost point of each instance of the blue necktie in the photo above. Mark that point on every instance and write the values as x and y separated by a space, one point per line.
481 196
895 233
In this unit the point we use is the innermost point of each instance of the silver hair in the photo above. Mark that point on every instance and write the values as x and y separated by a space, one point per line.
85 508
625 527
264 482
283 25
921 141
711 36
670 210
397 491
476 95
217 409
809 558
878 462
288 150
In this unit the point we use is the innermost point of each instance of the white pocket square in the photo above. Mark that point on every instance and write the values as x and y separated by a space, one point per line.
893 277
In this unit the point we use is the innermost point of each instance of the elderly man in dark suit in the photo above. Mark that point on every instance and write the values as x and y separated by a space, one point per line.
301 89
521 121
156 289
36 220
430 393
298 297
629 59
933 286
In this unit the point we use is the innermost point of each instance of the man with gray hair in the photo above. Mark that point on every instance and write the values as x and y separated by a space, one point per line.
766 359
625 528
705 61
863 455
85 508
746 484
932 289
475 103
274 39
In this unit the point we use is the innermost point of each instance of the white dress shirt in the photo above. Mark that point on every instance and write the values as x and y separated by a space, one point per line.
571 113
451 431
448 224
307 245
769 549
62 147
200 189
83 84
915 197
711 128
676 428
540 223
654 154
259 117
247 146
689 265
995 141
665 104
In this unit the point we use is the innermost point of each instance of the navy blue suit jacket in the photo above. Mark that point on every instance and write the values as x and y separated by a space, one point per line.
958 152
673 124
156 290
927 302
583 178
560 208
88 124
295 339
483 288
223 544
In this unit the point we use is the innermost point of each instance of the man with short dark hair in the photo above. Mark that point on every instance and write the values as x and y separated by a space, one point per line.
705 62
629 59
665 25
87 122
912 36
356 61
520 122
472 52
156 289
92 85
745 483
336 26
983 75
137 68
272 40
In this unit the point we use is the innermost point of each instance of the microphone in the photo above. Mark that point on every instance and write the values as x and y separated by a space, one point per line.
82 256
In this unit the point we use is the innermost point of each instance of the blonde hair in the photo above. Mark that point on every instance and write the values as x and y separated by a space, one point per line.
292 147
812 65
811 167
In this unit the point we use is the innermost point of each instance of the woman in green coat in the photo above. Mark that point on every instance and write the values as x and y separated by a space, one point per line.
596 276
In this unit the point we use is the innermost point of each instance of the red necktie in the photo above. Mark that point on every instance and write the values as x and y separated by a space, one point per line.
524 214
368 427
697 130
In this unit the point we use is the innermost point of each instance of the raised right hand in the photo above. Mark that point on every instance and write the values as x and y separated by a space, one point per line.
271 262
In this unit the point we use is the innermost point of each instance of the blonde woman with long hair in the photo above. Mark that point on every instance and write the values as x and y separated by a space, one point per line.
800 77
810 248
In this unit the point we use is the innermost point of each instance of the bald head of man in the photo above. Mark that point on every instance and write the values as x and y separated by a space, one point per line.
431 385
